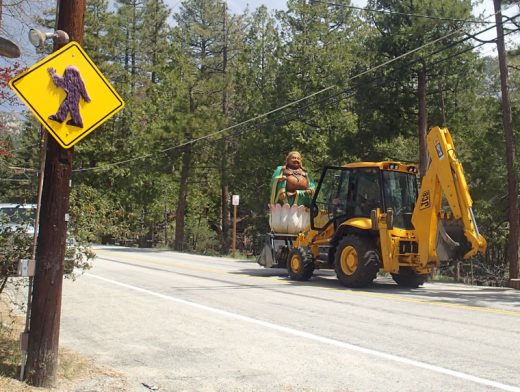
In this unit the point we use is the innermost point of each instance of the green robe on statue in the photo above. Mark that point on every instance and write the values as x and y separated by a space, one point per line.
284 178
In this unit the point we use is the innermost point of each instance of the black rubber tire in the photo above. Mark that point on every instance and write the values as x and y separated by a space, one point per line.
356 261
409 278
282 257
299 265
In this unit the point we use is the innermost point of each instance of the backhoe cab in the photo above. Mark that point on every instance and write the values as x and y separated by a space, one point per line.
370 215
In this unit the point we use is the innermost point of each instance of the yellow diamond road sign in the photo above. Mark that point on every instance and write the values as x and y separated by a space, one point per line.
68 94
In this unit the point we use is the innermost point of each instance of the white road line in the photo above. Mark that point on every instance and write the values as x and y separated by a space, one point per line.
318 338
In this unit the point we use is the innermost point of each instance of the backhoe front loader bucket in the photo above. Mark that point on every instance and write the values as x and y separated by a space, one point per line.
266 256
276 250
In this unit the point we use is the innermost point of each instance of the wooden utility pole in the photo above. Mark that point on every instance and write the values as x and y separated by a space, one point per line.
42 354
422 121
507 121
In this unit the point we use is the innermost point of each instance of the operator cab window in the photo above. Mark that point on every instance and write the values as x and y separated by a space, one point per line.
400 195
346 193
367 193
331 197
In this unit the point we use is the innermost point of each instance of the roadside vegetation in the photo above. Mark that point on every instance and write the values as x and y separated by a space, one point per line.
16 244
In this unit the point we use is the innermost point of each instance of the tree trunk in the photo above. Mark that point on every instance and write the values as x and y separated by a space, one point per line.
183 195
42 354
166 220
226 212
507 121
180 213
442 103
224 161
423 121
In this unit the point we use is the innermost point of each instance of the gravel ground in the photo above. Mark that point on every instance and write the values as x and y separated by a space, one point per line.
76 373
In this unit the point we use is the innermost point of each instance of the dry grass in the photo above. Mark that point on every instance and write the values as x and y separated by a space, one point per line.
76 373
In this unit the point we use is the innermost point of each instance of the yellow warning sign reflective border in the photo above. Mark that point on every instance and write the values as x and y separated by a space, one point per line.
68 94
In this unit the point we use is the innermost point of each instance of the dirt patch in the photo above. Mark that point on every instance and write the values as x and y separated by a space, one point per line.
76 373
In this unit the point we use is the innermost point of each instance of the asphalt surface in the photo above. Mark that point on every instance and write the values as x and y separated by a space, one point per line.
180 322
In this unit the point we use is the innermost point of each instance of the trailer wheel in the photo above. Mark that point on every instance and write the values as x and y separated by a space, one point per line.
356 261
299 265
407 277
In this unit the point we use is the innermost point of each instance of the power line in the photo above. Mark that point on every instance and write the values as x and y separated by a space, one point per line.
298 109
350 92
106 166
455 43
347 93
388 12
211 134
473 47
290 104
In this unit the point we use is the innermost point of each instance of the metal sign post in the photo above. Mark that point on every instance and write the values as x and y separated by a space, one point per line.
235 200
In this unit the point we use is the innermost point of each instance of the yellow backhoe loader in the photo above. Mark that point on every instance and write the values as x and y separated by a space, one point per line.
368 216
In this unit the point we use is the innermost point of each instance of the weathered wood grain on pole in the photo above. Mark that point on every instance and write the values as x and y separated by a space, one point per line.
42 355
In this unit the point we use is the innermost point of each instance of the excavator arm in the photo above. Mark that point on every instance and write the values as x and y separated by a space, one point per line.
435 229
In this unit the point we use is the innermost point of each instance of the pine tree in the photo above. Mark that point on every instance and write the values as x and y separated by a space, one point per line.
199 34
319 53
430 36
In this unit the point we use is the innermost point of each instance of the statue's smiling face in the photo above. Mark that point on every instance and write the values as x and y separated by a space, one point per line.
294 161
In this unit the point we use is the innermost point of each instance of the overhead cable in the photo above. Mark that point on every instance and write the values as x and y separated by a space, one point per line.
388 12
290 104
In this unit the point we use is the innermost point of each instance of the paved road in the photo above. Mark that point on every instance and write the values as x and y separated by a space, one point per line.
192 323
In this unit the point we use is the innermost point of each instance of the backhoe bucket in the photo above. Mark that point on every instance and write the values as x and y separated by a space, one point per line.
276 250
266 256
451 242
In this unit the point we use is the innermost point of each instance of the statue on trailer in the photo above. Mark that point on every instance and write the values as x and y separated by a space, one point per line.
292 189
291 183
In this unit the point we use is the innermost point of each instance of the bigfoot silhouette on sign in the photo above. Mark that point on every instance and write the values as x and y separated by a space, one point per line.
73 85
